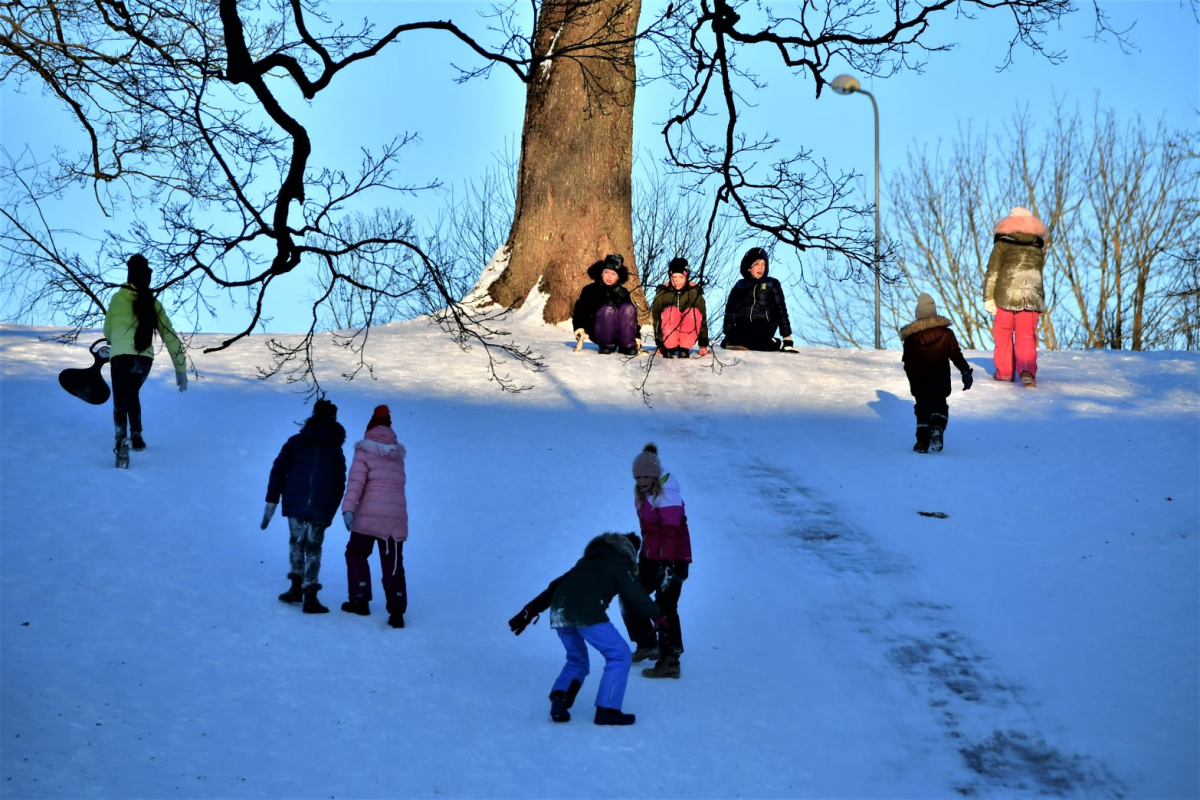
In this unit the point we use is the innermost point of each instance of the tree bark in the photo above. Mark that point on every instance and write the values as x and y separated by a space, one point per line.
574 197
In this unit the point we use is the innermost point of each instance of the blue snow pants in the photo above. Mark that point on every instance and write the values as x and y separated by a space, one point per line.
617 659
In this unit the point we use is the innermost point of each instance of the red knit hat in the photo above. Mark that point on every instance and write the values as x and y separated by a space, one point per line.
382 416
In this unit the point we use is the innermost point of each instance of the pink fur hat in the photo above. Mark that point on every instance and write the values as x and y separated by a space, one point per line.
1021 220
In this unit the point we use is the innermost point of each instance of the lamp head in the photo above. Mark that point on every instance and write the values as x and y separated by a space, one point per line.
845 84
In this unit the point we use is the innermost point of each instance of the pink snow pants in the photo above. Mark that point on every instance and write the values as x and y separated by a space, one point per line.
1015 335
680 329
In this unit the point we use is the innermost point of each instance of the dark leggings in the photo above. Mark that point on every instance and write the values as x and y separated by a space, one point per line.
128 373
662 580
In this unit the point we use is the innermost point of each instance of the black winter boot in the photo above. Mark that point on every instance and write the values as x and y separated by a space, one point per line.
561 700
122 451
559 706
311 604
139 444
613 716
396 620
358 605
293 594
937 428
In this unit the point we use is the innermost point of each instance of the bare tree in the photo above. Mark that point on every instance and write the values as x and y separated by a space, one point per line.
191 114
191 117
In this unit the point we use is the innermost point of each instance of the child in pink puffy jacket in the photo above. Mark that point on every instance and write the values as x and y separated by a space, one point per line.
375 509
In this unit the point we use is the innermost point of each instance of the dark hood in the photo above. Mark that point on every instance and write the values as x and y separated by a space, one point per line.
324 432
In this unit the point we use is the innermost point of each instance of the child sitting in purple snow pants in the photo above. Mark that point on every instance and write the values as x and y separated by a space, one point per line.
577 601
604 311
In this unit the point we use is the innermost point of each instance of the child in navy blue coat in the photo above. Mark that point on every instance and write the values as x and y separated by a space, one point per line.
310 475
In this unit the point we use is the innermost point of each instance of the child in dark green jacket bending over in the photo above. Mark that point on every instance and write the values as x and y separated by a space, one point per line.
578 600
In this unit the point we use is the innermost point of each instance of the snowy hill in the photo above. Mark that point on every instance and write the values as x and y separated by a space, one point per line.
1040 639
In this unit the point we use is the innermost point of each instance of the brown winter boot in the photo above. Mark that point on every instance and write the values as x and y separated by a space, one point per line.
642 653
666 667
1028 381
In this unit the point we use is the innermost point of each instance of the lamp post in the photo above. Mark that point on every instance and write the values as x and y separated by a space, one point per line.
848 84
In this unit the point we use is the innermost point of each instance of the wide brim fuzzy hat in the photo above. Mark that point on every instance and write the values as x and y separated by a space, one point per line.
1021 220
381 416
646 463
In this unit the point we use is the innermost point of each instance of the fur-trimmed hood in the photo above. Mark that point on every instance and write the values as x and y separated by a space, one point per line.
1019 220
381 440
928 323
621 542
595 269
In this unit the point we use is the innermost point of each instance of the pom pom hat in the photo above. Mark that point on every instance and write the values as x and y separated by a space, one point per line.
646 463
324 409
381 416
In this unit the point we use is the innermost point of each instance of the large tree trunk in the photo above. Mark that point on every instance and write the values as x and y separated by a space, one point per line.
574 203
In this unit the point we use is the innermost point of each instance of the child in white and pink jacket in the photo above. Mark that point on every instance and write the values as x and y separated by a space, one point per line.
375 509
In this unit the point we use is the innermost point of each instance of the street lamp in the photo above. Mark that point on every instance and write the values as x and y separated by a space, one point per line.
848 84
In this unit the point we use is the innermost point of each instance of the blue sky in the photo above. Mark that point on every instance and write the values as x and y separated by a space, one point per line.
463 126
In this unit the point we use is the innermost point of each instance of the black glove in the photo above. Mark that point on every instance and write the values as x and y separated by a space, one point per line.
968 379
522 619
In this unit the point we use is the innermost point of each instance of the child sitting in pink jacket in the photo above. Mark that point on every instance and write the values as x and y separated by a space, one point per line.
375 509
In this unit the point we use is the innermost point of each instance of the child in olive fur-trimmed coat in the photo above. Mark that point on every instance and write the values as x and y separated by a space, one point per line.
577 601
929 349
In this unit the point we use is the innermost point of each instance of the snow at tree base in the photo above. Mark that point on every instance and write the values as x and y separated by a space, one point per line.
1015 616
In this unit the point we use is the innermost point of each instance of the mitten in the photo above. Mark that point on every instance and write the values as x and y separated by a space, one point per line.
181 381
968 379
348 518
989 306
268 512
661 623
579 334
524 618
788 347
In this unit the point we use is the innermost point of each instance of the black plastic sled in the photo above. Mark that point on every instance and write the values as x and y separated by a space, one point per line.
88 384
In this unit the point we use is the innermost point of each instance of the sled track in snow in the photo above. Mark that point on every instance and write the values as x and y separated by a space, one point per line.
981 715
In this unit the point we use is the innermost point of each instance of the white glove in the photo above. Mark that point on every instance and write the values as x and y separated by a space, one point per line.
181 381
579 334
989 306
268 512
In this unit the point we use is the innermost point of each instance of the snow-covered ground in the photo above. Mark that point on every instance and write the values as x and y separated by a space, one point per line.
1040 639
